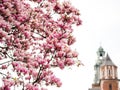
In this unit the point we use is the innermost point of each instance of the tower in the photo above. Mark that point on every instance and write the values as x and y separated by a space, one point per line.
105 73
108 75
100 58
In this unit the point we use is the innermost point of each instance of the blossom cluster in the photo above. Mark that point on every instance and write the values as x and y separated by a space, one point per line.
35 39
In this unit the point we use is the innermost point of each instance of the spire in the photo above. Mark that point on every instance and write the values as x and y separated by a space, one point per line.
108 61
108 58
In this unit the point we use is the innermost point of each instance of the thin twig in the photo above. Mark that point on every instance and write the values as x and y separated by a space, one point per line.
6 62
3 74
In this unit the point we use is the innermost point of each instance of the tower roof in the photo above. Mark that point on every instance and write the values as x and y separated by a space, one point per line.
100 52
108 61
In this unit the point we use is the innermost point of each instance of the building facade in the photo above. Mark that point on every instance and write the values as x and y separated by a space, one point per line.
105 73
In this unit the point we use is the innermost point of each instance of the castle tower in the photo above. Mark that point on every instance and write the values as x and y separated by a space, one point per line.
105 73
108 75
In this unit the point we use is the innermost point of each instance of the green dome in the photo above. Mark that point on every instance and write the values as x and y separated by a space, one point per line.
100 52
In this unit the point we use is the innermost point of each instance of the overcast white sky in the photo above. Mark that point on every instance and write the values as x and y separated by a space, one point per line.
101 24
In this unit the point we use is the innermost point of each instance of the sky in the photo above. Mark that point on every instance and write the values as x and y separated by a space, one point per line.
100 27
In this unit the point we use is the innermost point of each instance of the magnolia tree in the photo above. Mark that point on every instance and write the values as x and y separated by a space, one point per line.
35 39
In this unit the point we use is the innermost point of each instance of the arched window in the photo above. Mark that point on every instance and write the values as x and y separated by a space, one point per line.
110 87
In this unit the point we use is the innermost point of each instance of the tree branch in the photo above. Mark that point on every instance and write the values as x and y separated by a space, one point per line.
3 74
6 62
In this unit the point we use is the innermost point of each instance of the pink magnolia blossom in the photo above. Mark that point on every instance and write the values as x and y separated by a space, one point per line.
69 61
29 87
27 34
59 83
5 88
4 67
61 54
75 54
71 40
28 77
61 64
33 39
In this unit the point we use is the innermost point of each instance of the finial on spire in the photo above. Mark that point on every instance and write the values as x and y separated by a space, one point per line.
100 43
